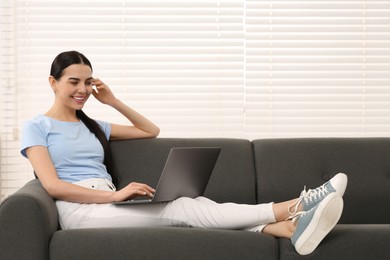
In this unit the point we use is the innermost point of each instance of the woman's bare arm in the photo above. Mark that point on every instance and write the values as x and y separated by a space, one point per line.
62 190
141 127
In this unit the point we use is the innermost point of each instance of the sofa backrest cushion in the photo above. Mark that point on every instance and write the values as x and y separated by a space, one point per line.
233 178
284 166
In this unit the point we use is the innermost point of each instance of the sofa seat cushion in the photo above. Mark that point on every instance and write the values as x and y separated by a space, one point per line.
346 241
161 243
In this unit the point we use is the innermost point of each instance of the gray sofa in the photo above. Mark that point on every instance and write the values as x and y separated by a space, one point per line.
246 172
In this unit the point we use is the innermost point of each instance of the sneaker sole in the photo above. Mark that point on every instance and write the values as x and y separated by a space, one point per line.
324 219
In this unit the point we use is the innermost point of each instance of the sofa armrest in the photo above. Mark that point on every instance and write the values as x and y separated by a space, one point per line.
28 219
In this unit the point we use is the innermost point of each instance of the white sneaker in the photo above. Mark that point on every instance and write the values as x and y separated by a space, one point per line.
315 224
312 198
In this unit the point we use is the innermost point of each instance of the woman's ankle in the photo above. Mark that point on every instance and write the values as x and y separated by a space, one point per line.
283 229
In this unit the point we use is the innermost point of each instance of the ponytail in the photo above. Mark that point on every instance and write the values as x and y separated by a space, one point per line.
94 127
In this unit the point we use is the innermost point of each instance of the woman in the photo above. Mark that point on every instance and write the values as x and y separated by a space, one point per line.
70 155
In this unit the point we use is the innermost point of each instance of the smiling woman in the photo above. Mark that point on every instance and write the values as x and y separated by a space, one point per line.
74 168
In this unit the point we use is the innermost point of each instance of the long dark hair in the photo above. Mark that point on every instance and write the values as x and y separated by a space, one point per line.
61 62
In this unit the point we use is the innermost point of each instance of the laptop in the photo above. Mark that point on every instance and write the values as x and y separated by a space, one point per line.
186 174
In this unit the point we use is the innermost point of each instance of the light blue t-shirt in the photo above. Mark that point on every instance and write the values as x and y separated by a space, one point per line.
76 153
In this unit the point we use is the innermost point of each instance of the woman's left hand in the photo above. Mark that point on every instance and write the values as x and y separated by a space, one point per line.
103 93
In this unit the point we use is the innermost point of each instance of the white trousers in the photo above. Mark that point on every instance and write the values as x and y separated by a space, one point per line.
199 212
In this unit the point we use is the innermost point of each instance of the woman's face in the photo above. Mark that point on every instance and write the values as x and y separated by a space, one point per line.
74 87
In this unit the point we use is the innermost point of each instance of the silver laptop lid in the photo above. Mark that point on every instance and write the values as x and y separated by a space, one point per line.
186 172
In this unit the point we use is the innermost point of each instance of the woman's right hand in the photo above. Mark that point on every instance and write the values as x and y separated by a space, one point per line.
132 191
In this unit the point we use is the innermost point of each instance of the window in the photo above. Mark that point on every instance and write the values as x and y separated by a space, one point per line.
208 68
317 68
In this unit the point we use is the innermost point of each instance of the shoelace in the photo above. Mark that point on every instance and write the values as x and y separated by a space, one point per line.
308 196
294 217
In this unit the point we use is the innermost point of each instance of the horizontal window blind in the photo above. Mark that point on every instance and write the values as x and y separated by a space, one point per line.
317 68
208 68
180 63
14 170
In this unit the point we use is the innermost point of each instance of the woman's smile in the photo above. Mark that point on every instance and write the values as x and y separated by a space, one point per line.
79 99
